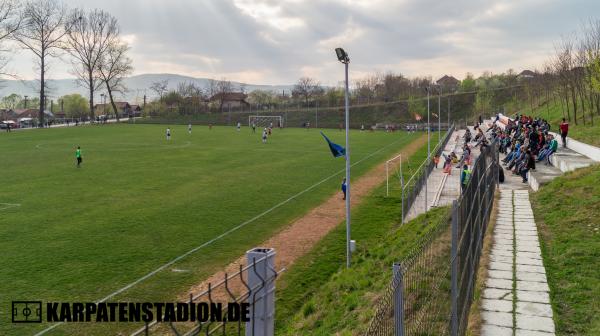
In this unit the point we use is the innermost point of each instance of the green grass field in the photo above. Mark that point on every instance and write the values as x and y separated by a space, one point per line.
71 234
567 212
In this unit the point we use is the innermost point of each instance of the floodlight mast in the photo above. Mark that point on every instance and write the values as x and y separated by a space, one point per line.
345 59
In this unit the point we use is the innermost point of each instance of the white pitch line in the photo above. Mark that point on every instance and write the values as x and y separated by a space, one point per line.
5 206
117 292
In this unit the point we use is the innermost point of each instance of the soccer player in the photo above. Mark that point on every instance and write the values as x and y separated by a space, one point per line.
253 127
168 133
190 128
264 136
78 157
239 126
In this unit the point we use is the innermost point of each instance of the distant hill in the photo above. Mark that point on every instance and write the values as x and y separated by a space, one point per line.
137 86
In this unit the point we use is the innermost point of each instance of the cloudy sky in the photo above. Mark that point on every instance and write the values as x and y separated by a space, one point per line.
278 41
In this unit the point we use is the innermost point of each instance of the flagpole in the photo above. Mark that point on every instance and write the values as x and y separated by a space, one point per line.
348 251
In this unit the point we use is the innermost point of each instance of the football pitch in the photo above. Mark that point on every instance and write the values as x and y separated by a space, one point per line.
144 218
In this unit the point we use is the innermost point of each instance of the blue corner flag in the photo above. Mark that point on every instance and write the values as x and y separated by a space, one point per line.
336 149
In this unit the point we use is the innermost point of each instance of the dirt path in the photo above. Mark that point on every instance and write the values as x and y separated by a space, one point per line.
301 235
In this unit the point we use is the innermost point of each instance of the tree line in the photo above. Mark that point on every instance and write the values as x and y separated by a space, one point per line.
48 29
571 77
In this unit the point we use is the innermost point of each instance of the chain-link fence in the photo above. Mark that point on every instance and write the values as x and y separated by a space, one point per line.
470 218
432 288
417 300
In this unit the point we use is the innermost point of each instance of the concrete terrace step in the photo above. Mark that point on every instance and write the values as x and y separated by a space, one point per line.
542 175
568 160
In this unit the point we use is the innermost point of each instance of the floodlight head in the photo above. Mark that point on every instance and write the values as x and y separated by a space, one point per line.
342 55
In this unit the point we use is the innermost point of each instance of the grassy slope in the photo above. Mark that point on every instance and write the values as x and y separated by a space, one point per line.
371 222
553 113
568 212
139 201
345 304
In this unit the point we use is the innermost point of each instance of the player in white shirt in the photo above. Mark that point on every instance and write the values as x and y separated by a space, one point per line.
264 136
168 133
239 125
190 128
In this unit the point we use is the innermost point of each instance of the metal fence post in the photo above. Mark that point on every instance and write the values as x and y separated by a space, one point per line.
398 300
262 287
402 197
454 276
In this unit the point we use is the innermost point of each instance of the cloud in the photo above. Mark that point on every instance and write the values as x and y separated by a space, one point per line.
278 41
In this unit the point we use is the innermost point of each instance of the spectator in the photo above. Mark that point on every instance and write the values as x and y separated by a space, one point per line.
529 164
465 177
564 131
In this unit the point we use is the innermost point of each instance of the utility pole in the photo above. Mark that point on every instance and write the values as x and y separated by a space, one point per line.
317 115
440 114
448 111
428 145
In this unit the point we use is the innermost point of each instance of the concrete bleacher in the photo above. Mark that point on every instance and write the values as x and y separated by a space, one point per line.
568 160
576 155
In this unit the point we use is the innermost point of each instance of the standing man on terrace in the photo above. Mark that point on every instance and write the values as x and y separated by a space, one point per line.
564 131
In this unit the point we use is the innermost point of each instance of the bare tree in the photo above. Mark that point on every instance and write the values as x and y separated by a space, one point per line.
10 21
223 88
306 88
113 68
160 87
42 31
562 64
89 38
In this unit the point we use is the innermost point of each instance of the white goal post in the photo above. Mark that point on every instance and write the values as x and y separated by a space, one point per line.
393 165
265 121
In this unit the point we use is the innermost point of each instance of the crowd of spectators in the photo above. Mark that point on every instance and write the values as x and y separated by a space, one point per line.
525 141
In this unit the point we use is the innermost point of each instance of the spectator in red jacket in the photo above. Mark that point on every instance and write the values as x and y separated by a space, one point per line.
564 131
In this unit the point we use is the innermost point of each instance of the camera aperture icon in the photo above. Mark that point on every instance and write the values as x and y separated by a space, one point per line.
27 312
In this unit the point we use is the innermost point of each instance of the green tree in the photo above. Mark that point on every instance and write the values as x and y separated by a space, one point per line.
76 106
11 102
468 84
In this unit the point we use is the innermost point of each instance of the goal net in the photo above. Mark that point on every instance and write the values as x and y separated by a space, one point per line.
394 179
265 121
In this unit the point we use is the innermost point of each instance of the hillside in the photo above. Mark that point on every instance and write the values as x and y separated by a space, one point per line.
137 86
588 131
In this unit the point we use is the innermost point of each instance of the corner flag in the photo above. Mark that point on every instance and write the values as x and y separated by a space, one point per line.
336 149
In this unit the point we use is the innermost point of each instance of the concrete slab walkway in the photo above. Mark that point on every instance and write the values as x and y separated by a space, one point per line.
516 298
442 189
437 180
